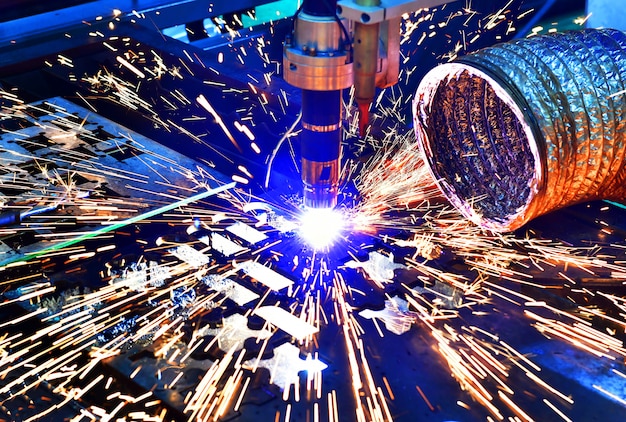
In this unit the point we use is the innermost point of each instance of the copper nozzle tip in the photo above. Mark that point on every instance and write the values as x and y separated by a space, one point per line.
320 198
320 180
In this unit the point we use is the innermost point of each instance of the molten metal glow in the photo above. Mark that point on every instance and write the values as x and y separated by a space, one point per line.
320 227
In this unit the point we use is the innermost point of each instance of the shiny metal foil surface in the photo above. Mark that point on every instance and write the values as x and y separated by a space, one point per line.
523 128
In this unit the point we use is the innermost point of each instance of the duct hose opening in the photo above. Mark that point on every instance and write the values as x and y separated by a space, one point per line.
523 128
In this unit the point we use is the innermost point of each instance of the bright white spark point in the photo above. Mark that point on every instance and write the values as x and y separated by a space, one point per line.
320 227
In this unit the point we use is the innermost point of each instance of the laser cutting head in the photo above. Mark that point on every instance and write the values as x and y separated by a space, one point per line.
319 57
321 147
321 183
317 60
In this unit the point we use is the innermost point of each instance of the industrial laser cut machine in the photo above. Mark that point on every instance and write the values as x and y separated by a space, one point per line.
65 65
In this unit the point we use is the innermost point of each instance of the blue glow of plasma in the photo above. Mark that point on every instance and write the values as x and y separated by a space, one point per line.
321 227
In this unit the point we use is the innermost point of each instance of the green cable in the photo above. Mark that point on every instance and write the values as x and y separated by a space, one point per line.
112 227
617 204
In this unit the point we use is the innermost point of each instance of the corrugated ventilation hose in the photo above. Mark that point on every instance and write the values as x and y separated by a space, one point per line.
527 127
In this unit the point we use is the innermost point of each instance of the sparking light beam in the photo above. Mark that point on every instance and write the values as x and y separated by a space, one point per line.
321 227
218 119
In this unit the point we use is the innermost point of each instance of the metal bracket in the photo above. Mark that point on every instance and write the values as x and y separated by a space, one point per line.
388 9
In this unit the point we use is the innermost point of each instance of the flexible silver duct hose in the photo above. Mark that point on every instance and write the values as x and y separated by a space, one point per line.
524 128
